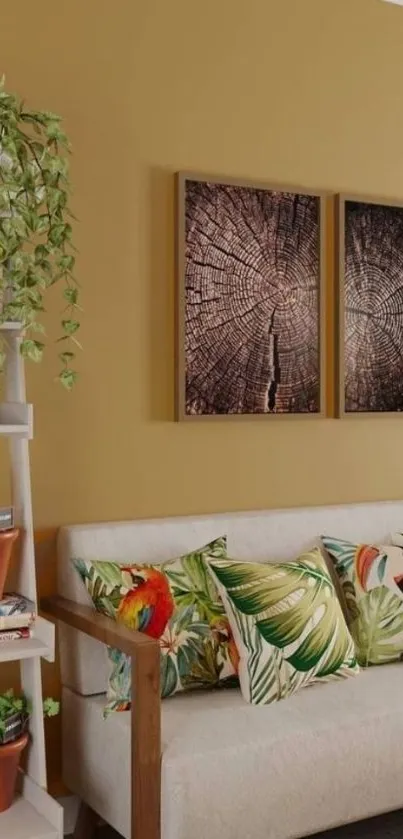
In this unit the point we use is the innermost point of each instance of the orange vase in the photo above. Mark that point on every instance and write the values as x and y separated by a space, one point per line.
7 539
10 756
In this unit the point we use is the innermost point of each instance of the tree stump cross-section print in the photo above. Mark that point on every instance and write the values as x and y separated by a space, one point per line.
373 307
252 283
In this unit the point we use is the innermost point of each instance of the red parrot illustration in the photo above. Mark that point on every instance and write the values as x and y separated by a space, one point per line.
364 558
149 605
223 633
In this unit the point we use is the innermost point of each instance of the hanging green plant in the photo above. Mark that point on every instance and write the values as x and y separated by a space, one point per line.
36 249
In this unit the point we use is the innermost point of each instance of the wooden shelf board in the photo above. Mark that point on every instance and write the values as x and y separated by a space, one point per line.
22 821
21 649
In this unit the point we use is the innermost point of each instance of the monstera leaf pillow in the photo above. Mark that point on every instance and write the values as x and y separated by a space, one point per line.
287 623
176 602
372 581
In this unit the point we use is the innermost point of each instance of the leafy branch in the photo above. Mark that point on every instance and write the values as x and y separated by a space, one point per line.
36 249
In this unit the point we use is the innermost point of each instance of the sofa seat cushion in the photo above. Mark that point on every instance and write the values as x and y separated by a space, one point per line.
329 755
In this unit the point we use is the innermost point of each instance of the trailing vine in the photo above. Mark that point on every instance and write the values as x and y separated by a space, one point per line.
36 249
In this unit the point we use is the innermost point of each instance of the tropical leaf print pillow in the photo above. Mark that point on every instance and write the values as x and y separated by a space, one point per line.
287 623
371 577
176 602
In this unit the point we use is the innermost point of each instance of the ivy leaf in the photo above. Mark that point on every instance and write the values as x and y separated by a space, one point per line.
67 356
56 234
68 378
53 130
32 349
66 262
71 295
38 327
41 252
70 326
43 223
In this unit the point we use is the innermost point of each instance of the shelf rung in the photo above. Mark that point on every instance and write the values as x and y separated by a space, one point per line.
11 327
16 419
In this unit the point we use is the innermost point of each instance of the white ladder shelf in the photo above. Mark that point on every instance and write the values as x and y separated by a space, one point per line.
35 814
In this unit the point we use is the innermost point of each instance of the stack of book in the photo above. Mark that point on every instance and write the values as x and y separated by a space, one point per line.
17 617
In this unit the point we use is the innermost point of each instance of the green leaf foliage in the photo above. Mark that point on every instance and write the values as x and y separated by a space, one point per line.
35 230
263 671
68 378
378 629
169 676
11 704
32 349
343 553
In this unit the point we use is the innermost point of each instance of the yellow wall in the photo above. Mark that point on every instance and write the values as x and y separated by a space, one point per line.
299 91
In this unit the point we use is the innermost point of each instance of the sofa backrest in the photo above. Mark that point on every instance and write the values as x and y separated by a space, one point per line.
270 535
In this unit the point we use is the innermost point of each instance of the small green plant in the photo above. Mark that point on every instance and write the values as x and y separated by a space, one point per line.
36 249
13 706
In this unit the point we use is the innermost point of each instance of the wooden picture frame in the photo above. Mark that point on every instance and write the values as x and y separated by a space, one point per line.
369 310
293 208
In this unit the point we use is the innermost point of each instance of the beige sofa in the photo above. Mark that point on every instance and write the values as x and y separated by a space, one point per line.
329 755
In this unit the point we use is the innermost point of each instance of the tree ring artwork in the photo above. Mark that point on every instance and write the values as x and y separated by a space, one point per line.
251 284
373 308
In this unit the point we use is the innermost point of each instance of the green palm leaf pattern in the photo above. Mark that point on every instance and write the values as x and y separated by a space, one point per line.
342 552
375 615
287 623
191 583
265 679
378 630
294 605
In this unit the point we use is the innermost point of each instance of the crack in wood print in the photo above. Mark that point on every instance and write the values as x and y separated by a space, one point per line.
373 343
252 285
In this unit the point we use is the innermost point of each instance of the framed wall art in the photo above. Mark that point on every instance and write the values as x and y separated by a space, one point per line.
370 308
251 300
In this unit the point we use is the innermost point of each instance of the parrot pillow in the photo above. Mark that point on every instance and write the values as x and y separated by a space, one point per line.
176 602
371 577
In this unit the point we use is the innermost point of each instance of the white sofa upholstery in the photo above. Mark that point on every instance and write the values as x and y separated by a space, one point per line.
329 755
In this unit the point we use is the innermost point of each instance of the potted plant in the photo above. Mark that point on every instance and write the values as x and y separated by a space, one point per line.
36 249
14 719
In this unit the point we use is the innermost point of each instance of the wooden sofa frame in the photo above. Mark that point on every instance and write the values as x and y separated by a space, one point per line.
145 714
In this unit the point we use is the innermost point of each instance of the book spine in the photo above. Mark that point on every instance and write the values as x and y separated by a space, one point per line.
15 634
16 621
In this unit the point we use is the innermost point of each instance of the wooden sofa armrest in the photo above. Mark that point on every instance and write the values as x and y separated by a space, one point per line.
145 711
98 626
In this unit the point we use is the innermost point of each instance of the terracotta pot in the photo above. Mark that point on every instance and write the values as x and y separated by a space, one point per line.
7 539
9 762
